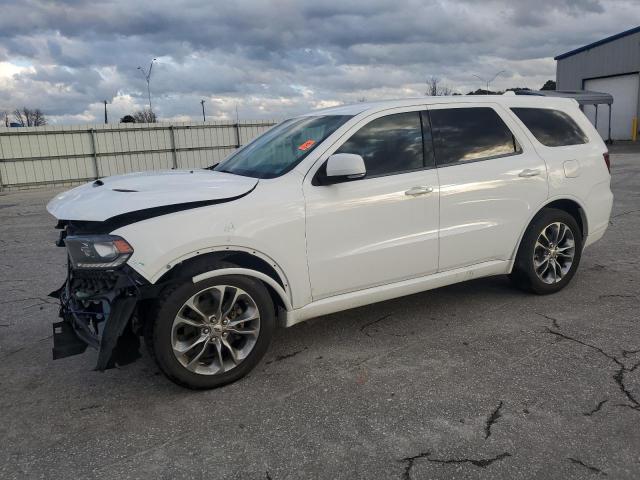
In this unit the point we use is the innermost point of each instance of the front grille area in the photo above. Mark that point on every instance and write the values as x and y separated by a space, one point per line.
91 283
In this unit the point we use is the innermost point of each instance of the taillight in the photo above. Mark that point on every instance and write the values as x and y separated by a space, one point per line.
607 161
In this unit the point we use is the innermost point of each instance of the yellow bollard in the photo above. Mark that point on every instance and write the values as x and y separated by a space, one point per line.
634 129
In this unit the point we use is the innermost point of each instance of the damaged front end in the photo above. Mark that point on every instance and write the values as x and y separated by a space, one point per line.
98 300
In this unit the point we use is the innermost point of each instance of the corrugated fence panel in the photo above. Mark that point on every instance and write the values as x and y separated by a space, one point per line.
49 155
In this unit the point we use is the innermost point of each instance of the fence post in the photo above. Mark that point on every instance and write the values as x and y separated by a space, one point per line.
237 126
94 152
174 151
1 182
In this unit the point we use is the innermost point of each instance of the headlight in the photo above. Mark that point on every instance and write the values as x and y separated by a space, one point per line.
97 251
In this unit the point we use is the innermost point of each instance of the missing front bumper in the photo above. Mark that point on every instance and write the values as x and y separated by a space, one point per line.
97 311
65 341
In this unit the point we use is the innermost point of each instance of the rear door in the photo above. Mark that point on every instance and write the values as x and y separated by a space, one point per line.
382 228
491 180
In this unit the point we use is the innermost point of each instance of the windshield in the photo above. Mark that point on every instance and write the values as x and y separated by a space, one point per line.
281 148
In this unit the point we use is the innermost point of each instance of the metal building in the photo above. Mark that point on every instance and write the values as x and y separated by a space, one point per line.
610 65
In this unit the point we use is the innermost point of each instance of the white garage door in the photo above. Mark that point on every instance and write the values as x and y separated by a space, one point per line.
624 90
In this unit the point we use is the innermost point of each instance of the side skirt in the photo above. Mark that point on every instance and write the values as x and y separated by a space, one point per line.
381 293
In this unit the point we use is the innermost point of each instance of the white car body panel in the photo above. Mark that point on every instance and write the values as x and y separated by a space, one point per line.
588 181
394 290
137 191
485 204
366 233
345 245
258 223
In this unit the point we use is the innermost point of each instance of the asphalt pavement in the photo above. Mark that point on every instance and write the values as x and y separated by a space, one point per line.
475 380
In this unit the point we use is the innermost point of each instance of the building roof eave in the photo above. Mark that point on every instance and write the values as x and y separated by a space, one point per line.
598 43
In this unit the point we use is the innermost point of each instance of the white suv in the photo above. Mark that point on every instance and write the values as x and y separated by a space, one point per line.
327 211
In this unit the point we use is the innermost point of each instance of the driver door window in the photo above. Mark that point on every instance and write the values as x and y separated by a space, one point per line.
389 145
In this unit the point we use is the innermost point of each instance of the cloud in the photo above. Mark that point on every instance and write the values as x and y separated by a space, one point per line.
281 57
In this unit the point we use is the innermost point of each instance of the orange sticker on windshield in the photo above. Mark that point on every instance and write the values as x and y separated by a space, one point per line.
306 145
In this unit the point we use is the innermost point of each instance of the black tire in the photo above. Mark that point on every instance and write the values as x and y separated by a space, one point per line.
523 275
159 326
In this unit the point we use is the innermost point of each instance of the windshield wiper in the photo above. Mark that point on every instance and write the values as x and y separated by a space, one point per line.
211 167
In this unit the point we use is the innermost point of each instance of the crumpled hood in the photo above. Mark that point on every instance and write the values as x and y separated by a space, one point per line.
117 195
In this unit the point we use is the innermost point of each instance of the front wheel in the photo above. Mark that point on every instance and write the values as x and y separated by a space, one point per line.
214 332
549 253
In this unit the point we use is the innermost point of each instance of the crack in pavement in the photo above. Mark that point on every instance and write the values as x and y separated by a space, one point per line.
554 321
13 352
43 300
618 377
624 213
406 475
279 358
493 418
588 467
367 325
595 410
481 462
616 295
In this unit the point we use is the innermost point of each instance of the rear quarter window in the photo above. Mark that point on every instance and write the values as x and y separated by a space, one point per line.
551 128
470 134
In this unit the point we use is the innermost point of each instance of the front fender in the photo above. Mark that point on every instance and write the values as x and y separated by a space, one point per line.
269 224
284 296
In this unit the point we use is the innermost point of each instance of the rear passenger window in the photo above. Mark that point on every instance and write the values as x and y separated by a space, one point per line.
391 144
468 134
552 128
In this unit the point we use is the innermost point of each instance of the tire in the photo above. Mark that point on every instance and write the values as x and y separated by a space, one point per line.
226 355
529 271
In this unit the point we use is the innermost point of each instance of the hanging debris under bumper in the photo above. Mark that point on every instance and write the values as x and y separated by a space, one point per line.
97 309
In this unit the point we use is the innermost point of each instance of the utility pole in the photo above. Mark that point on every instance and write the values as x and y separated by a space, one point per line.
204 117
106 119
147 76
488 81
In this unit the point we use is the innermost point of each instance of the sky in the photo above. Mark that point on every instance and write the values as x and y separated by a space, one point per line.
278 58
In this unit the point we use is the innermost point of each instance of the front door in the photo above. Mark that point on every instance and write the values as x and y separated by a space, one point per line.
382 228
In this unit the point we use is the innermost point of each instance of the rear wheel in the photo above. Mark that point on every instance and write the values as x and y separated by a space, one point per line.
549 253
214 332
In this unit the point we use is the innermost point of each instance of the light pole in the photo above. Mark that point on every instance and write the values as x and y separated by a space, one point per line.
204 117
105 112
147 76
488 81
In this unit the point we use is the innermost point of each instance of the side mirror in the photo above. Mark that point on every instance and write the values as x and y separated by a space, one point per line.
343 167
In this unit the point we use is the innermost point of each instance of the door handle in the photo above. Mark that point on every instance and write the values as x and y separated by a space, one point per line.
528 172
415 191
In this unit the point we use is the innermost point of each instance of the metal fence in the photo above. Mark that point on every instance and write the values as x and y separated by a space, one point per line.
36 156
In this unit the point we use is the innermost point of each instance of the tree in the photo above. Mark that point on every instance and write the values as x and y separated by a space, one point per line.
145 116
549 85
482 91
518 89
436 89
27 117
128 119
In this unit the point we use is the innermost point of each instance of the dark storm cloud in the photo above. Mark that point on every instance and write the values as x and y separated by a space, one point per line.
278 57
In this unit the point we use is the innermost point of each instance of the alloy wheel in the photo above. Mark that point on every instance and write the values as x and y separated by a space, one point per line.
554 253
215 330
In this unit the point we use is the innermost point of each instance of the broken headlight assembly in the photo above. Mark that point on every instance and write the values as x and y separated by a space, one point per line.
97 251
